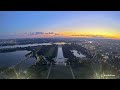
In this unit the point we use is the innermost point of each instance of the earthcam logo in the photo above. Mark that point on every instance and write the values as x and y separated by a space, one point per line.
107 75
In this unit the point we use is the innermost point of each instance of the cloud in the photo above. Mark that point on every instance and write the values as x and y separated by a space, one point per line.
53 35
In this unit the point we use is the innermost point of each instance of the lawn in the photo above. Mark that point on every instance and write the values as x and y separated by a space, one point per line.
50 52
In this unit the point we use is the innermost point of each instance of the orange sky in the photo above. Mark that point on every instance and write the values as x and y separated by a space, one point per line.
89 32
66 24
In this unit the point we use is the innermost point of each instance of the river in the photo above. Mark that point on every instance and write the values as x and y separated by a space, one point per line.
12 58
14 46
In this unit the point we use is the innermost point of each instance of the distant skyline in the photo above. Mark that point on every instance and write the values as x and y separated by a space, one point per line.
18 24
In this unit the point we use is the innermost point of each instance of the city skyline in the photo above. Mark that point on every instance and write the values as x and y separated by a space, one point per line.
17 24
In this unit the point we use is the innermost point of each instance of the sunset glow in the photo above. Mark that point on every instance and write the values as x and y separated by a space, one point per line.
102 24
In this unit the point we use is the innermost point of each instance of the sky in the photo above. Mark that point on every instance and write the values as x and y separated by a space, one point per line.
105 24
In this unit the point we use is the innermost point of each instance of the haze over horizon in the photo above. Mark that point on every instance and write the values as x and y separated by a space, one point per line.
37 24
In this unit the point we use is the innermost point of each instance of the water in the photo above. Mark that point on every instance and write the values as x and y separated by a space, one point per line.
60 58
60 53
60 43
77 54
2 47
12 58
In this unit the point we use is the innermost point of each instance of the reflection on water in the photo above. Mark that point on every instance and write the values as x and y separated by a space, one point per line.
11 58
14 46
1 47
60 43
60 58
78 54
60 53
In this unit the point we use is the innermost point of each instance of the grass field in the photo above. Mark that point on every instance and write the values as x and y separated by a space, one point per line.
60 72
50 52
82 72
